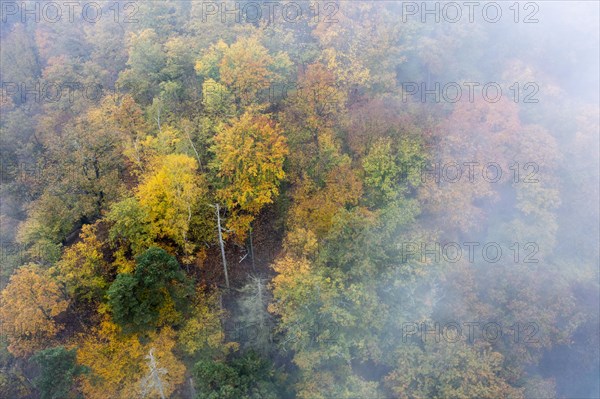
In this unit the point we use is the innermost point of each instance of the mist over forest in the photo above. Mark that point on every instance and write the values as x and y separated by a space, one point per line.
299 199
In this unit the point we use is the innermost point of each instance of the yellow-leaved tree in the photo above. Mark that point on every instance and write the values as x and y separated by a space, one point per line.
30 303
171 196
249 156
118 364
202 332
82 267
245 67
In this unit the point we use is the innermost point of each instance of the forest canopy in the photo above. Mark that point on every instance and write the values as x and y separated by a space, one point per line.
313 200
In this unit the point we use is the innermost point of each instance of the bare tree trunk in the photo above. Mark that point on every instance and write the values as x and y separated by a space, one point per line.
222 245
252 251
187 133
157 380
152 380
261 300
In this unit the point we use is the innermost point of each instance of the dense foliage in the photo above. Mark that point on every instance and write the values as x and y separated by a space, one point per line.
250 209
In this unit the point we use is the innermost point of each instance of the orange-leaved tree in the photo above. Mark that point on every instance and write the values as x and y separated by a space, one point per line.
249 156
30 303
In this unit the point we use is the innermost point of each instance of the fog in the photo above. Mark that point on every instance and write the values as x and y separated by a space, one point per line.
476 258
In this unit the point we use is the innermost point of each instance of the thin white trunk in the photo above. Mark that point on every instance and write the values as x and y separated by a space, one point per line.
222 245
157 380
252 251
193 148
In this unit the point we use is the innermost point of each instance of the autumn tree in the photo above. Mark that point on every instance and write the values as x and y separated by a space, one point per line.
202 333
315 205
309 115
217 99
391 170
319 323
171 197
170 206
362 48
481 133
130 226
117 361
145 64
343 281
449 370
114 360
30 304
49 221
249 156
83 268
82 173
245 67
